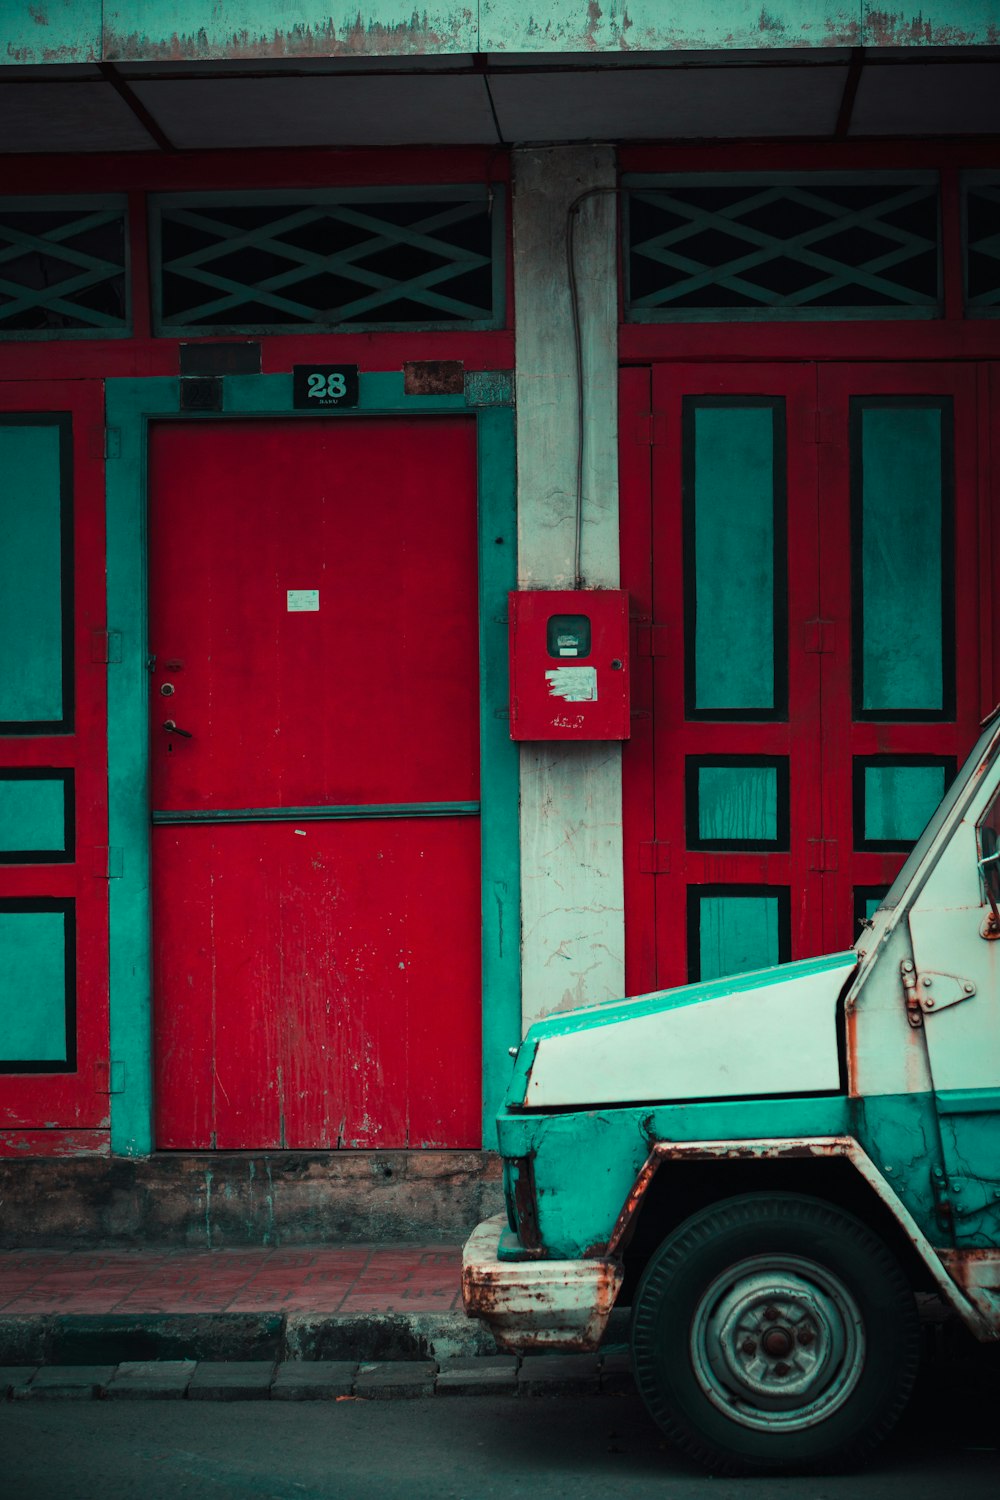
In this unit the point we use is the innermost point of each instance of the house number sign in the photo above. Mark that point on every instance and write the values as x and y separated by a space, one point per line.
316 386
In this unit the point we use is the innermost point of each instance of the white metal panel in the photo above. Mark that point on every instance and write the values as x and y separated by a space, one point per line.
777 1038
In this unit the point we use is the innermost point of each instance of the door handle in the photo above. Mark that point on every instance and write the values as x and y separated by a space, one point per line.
172 728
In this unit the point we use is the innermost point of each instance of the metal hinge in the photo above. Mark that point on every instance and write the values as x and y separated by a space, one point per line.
106 646
649 427
109 863
109 1078
822 856
819 425
654 857
818 636
929 991
652 640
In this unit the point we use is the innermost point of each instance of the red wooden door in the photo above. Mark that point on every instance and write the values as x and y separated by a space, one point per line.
806 580
54 1076
901 568
313 609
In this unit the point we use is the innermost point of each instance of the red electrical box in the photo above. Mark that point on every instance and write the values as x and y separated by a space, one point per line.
569 674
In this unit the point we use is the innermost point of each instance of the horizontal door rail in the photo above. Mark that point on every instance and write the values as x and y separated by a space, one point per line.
338 813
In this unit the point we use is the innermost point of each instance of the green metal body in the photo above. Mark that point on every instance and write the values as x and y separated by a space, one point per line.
577 1209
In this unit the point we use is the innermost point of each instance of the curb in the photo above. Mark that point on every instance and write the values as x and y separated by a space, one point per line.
116 1338
101 1339
608 1373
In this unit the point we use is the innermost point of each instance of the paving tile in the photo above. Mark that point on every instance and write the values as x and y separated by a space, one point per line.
231 1380
558 1374
478 1375
151 1380
80 1382
15 1379
313 1380
396 1380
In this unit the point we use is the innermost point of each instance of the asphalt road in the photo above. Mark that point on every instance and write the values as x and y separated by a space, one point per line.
449 1448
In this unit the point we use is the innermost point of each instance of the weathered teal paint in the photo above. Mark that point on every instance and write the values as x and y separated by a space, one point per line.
649 25
585 1163
499 770
31 582
970 1142
130 986
190 29
54 31
131 405
32 986
738 803
732 513
900 799
32 815
902 650
165 30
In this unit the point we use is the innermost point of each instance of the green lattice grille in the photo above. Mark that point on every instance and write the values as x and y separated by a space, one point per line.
63 267
761 245
982 243
364 257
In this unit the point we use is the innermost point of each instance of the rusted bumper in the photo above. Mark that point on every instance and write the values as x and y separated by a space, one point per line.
537 1304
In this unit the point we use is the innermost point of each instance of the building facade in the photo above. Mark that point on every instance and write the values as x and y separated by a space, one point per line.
320 332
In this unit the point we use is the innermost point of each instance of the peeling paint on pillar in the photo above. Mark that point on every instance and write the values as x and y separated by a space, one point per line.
571 838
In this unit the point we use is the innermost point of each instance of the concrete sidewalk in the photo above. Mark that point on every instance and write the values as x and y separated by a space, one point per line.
326 1302
369 1322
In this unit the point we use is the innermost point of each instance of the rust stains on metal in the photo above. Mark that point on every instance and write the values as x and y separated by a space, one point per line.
526 1314
433 377
904 28
793 1148
635 1196
359 38
526 1203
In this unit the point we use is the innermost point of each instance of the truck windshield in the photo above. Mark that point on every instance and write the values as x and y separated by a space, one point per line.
955 794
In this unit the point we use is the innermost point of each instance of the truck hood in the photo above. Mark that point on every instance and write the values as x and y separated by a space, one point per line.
771 1032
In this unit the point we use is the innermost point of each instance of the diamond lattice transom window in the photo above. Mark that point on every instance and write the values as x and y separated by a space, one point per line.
361 258
759 245
981 226
63 268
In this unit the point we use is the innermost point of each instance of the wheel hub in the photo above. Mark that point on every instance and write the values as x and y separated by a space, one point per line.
777 1342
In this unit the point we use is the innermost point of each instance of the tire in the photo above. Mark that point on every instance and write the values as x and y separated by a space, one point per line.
774 1334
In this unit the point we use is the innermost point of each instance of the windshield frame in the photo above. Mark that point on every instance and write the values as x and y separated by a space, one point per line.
980 758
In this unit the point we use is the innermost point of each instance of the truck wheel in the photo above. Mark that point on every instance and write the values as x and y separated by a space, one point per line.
774 1334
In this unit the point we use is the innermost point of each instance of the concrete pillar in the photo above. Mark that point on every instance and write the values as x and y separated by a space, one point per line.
571 834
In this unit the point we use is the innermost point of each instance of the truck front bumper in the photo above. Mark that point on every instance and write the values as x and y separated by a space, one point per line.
537 1304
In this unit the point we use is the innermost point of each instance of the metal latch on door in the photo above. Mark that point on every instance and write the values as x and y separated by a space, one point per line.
172 728
927 992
